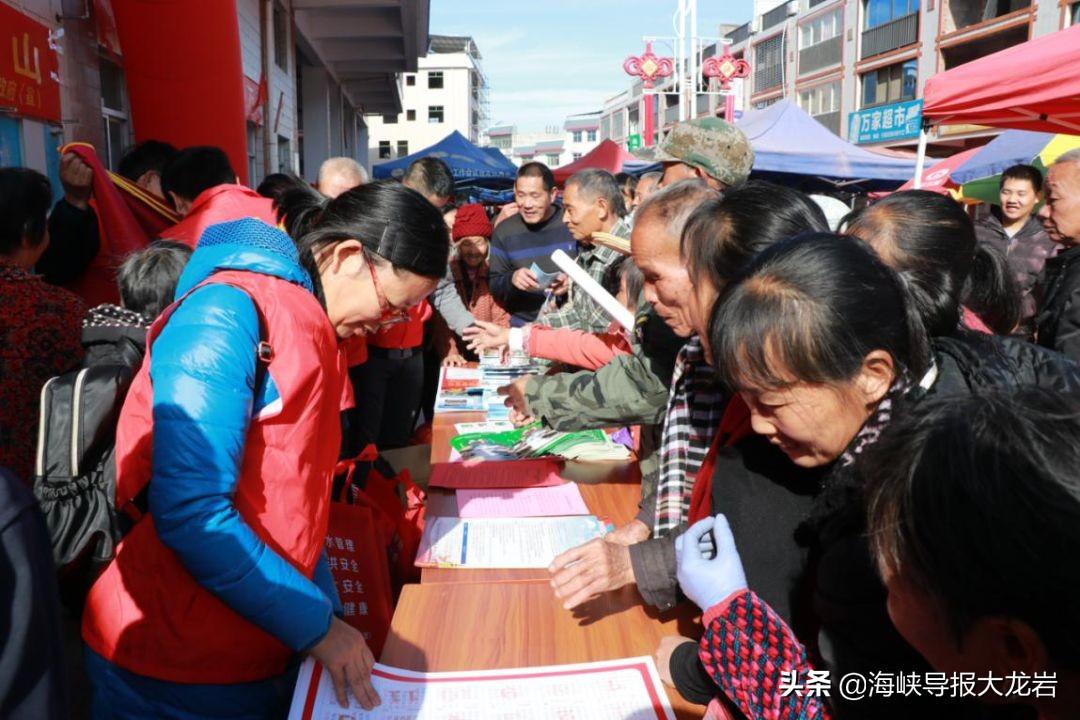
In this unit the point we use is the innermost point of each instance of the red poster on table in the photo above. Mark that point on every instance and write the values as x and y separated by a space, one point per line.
29 69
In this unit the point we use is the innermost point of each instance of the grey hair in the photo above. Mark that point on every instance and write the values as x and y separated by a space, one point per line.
655 176
148 277
1071 157
595 183
342 166
673 204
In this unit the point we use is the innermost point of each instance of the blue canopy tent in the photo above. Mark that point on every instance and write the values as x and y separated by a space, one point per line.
791 148
470 165
498 155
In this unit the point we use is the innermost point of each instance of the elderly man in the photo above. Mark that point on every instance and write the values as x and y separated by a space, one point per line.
1058 317
592 202
646 186
339 174
707 149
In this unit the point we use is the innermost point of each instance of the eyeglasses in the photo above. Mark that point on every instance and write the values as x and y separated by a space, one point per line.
390 314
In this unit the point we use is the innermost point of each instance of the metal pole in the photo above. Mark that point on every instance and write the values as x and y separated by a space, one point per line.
920 158
694 74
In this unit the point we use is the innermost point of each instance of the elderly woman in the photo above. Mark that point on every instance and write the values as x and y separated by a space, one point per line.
232 429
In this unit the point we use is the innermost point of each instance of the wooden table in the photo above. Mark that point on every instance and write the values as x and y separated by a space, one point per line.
442 430
483 626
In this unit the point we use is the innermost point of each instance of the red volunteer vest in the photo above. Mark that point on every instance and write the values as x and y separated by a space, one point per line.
146 613
404 335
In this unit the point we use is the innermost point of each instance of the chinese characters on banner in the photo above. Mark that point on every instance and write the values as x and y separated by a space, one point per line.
898 121
29 79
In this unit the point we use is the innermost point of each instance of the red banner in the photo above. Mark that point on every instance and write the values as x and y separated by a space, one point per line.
254 99
29 79
105 22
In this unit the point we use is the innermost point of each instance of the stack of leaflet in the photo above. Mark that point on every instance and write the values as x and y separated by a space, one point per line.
535 441
459 390
497 371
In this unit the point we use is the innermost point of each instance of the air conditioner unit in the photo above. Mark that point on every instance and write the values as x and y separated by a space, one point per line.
793 8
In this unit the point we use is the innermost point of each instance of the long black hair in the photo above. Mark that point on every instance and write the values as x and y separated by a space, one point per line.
393 223
813 307
930 240
724 233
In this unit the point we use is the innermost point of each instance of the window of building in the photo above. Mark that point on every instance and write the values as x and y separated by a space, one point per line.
402 148
820 29
592 136
435 79
384 150
389 119
252 153
889 84
821 99
114 114
577 156
502 142
410 80
762 104
552 160
1074 14
281 37
410 115
577 136
879 12
769 63
435 113
284 154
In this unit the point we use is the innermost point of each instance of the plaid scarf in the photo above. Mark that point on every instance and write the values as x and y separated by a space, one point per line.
694 409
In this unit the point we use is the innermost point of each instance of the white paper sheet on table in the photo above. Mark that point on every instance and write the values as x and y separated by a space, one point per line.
551 501
502 542
462 373
484 427
626 689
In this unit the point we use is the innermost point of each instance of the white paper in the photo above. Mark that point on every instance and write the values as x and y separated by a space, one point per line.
627 689
503 542
463 373
606 300
484 427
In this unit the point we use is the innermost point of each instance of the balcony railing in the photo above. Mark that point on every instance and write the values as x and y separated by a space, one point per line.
775 16
739 34
830 120
893 34
819 56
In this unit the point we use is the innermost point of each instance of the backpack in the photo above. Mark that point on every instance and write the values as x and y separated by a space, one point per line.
75 471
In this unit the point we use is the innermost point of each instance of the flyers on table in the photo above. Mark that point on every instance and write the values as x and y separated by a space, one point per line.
459 390
552 501
503 542
608 690
517 474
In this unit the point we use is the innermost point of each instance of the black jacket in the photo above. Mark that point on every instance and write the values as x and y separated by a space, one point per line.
74 242
1057 294
32 683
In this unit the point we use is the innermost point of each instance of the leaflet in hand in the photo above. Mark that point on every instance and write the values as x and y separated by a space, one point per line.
608 690
543 279
503 542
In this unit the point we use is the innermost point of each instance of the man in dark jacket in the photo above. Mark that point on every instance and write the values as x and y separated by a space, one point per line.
1058 294
1014 230
74 240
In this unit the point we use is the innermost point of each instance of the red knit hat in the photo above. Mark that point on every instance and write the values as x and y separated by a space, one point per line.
471 221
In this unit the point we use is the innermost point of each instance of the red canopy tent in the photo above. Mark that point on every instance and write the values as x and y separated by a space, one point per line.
1031 86
605 156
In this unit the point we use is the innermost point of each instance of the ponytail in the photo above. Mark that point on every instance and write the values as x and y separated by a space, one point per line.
298 208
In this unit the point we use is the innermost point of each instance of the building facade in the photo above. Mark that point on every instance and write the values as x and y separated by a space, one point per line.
310 69
555 146
854 64
448 92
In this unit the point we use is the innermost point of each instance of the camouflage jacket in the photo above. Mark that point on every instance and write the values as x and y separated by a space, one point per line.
630 390
580 311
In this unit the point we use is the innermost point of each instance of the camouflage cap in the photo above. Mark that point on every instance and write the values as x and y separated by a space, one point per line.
717 148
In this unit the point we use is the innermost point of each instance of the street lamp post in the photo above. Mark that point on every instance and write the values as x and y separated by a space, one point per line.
648 67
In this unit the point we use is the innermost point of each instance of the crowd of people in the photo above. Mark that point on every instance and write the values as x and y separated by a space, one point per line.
858 439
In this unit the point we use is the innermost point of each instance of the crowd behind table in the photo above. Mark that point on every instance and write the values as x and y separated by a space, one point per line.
858 439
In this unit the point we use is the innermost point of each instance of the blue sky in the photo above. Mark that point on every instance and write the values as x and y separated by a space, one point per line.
546 59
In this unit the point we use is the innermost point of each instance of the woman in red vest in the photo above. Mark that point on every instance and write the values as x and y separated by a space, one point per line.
232 428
